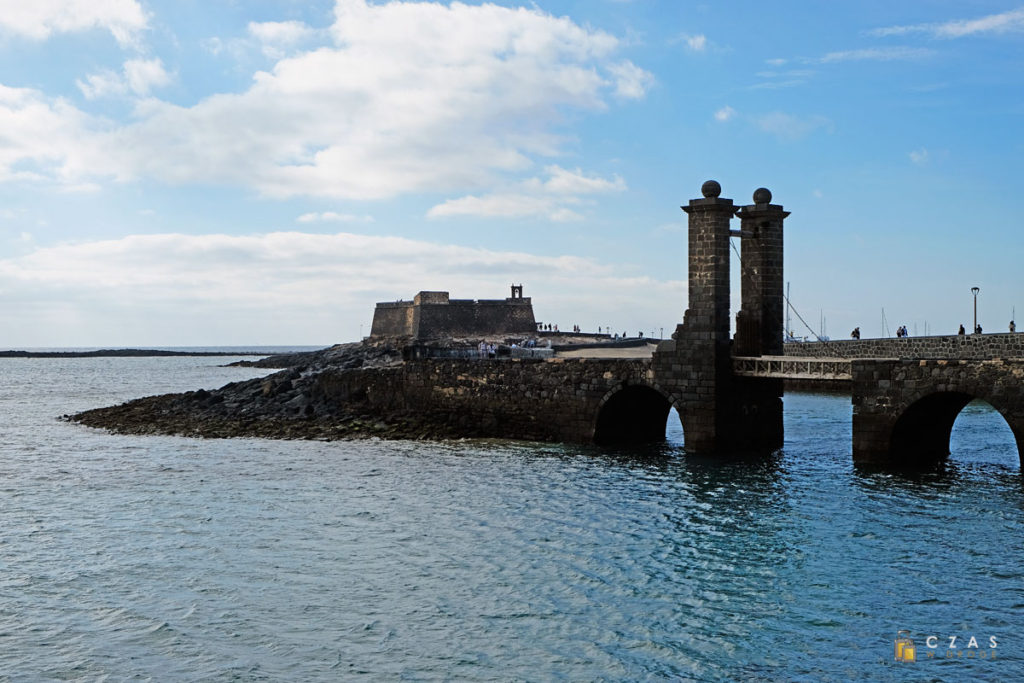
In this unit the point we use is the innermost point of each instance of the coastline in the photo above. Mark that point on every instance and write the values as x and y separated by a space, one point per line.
289 404
365 389
125 353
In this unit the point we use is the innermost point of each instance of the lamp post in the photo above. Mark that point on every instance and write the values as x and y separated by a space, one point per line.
974 291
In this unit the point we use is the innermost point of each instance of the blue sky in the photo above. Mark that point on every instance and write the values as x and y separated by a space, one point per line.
194 173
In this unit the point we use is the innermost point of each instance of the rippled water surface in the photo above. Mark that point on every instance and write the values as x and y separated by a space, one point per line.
178 559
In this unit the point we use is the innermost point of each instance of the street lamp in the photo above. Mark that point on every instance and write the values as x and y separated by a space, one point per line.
974 291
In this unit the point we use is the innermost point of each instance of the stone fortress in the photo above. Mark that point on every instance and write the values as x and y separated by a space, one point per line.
433 315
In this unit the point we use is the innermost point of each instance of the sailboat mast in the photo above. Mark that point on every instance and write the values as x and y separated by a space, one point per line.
789 327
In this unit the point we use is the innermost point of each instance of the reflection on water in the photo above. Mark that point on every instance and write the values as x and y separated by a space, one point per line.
171 558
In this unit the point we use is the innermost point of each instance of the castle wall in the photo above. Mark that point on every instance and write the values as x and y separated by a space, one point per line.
474 318
393 319
433 315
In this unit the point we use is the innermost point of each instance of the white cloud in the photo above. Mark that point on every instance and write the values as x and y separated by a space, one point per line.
102 84
696 43
789 127
197 289
631 82
44 139
919 156
534 197
562 181
878 54
411 97
138 77
776 80
505 205
280 32
777 61
1011 21
725 114
39 19
333 217
142 75
277 37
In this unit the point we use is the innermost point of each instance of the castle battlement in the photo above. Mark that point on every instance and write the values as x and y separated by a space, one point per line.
432 315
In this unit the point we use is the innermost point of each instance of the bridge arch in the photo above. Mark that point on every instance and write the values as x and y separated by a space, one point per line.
632 412
920 433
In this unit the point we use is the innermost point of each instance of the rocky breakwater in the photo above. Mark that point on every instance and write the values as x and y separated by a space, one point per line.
318 395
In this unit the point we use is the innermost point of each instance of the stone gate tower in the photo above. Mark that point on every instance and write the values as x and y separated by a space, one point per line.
721 412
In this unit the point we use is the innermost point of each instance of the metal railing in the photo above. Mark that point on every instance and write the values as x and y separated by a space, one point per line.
788 367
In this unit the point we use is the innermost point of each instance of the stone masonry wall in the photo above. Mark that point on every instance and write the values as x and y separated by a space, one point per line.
393 320
469 318
695 364
428 318
541 400
905 409
720 412
970 346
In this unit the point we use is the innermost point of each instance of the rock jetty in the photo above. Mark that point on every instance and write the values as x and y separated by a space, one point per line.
290 404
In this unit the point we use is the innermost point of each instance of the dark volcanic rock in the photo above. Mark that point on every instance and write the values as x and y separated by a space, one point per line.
284 405
352 355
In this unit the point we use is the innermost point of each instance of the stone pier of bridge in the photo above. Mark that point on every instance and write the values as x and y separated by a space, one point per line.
722 411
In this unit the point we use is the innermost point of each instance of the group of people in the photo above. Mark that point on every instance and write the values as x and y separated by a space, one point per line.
548 327
489 350
901 331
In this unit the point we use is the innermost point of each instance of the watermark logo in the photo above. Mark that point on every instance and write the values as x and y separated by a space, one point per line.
945 647
905 650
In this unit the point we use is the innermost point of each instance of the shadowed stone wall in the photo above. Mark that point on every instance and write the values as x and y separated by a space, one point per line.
541 400
696 363
432 315
970 346
903 410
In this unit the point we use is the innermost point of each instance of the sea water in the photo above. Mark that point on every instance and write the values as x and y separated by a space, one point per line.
166 558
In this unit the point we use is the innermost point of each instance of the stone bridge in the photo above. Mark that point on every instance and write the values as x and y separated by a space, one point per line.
903 410
943 347
726 389
568 400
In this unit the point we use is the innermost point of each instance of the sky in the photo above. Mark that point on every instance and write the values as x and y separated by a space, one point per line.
196 172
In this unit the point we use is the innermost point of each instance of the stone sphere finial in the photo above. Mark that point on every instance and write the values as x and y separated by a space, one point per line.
762 195
711 189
